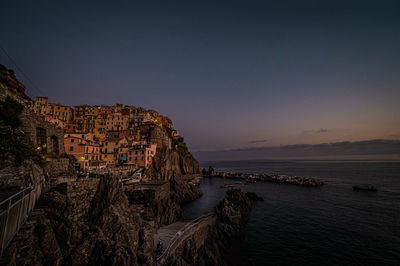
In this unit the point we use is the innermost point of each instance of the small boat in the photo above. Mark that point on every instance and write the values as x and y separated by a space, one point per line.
364 188
251 181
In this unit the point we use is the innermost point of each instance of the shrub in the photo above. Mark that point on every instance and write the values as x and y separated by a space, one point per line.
12 139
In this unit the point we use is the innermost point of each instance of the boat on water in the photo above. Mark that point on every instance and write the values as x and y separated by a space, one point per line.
251 181
365 187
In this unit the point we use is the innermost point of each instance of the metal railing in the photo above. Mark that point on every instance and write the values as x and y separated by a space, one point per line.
13 212
179 235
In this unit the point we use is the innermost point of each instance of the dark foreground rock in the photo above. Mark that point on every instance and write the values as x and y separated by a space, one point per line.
88 222
210 240
161 202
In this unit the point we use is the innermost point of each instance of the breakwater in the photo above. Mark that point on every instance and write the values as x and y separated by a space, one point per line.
255 177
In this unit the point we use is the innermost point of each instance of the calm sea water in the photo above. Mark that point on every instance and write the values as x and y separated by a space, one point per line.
331 225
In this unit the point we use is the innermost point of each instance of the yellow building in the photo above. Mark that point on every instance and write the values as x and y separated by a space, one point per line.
111 148
42 106
100 128
60 112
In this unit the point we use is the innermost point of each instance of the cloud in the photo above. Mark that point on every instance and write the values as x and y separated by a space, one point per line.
258 141
315 131
368 147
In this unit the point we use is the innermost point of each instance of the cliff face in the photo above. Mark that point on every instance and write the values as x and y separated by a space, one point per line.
89 222
170 165
162 202
172 160
210 241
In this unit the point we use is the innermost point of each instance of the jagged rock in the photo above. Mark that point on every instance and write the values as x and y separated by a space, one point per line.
84 227
157 203
16 177
177 161
184 192
162 202
210 171
254 197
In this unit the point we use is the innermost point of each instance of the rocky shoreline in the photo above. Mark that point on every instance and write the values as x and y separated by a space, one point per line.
255 177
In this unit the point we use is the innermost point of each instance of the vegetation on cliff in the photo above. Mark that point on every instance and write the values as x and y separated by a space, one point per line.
13 142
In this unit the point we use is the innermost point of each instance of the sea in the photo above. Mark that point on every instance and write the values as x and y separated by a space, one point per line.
328 225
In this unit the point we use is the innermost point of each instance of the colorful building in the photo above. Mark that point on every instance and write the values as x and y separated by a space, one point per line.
142 154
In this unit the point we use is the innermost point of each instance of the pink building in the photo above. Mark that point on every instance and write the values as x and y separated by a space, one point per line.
142 154
75 146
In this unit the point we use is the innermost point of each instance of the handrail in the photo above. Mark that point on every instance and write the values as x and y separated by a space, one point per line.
19 205
15 195
188 226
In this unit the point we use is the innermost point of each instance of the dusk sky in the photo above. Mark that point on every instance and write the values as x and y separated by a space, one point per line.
230 74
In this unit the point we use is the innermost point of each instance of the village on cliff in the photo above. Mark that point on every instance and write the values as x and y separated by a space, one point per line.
97 136
129 213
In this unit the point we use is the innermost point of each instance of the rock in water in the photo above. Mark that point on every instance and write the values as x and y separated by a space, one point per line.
253 196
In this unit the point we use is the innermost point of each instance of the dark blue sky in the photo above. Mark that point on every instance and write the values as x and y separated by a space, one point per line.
231 74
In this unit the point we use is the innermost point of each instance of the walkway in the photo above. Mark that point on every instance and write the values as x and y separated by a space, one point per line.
172 235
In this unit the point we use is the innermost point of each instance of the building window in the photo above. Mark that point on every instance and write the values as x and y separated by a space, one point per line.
71 148
72 140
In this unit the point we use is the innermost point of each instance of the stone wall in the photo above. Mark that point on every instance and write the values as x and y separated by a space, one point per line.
16 177
33 124
80 193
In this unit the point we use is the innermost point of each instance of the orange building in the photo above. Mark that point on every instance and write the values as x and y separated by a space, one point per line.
75 146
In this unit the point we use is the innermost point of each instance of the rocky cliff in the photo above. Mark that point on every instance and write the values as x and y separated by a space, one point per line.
162 202
172 161
86 222
209 243
172 165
